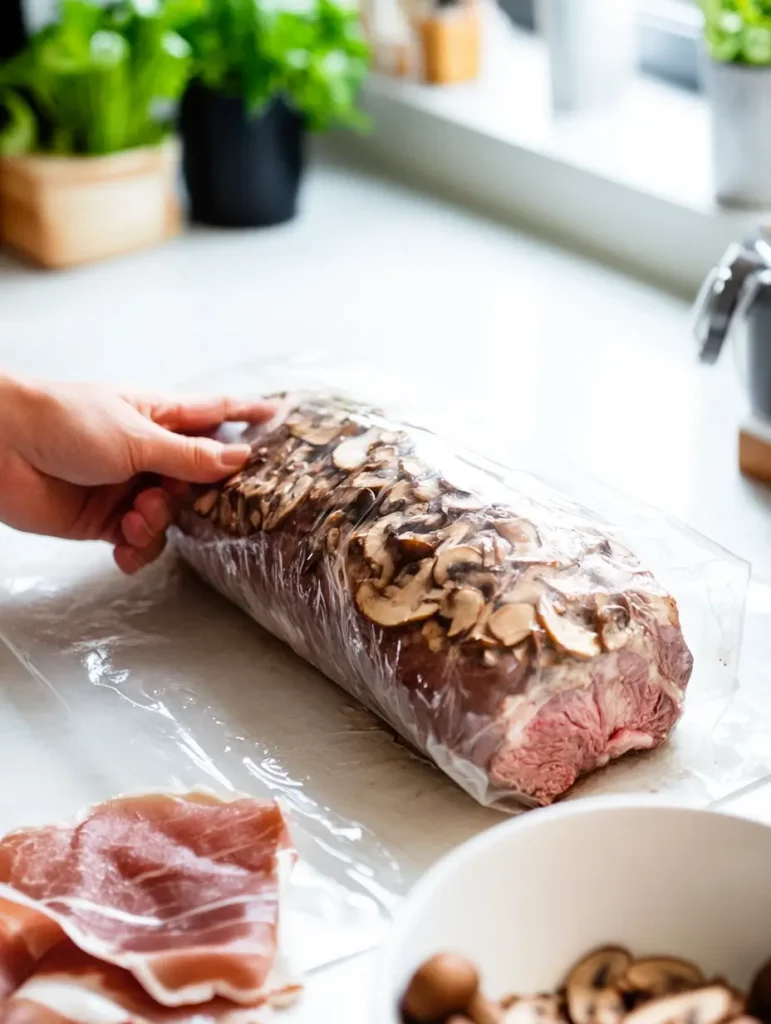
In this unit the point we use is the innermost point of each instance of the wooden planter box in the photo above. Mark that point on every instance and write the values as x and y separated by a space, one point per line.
62 211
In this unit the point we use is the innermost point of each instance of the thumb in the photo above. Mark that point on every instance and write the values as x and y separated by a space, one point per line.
196 460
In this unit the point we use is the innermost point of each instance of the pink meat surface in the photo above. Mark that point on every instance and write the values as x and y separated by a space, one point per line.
180 893
70 987
631 703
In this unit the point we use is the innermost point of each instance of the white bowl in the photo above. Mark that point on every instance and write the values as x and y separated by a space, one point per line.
528 898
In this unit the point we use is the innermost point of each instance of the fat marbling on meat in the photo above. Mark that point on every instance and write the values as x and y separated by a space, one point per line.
172 901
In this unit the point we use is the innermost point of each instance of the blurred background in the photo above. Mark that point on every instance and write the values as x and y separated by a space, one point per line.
503 212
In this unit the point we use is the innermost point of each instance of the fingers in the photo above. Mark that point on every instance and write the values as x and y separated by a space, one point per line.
198 460
132 560
143 530
202 413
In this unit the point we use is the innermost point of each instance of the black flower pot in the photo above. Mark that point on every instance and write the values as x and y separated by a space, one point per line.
241 171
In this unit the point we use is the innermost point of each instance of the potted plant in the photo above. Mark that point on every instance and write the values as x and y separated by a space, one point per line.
264 75
738 80
88 164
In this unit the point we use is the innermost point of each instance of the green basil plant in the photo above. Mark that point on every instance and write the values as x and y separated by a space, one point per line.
101 78
738 31
312 53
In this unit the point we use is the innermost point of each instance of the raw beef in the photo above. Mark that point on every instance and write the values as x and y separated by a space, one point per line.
176 897
500 629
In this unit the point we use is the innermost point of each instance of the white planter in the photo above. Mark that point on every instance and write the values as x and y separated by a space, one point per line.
591 50
740 101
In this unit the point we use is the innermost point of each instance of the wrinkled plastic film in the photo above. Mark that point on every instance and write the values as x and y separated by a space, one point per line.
156 682
127 682
463 605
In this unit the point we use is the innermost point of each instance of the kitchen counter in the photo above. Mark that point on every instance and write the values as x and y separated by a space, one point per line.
503 337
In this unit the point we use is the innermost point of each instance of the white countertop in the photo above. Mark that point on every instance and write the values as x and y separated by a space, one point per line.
512 338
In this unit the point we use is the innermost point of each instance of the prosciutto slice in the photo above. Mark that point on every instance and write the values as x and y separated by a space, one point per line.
71 987
150 903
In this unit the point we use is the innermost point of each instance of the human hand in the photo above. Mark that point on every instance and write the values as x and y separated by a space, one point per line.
86 462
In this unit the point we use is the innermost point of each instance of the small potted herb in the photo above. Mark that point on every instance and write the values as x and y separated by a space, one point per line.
264 75
738 79
88 164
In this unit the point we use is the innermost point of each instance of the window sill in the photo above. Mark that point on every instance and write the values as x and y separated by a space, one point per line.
631 183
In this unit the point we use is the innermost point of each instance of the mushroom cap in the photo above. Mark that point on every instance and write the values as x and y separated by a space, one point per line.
443 985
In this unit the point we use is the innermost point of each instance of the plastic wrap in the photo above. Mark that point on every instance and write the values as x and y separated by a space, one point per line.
499 628
155 682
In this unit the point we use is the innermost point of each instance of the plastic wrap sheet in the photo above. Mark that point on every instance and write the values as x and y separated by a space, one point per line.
156 683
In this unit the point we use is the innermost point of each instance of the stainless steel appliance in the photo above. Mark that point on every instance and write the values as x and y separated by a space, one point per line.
738 292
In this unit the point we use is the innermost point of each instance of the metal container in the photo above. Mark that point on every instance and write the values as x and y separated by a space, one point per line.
591 50
740 101
737 293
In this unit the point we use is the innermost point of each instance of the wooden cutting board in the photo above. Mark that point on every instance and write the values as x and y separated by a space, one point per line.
755 450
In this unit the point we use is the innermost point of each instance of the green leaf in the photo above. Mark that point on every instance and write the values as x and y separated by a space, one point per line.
18 135
100 78
757 44
315 57
738 30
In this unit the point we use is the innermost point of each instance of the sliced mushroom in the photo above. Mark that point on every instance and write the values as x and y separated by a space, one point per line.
319 434
534 1010
661 976
375 545
569 635
519 532
449 558
206 502
372 481
321 487
427 490
479 633
415 546
382 454
399 491
592 997
714 1004
353 453
412 467
512 623
255 519
615 637
287 502
465 607
461 503
495 550
398 605
263 487
454 533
